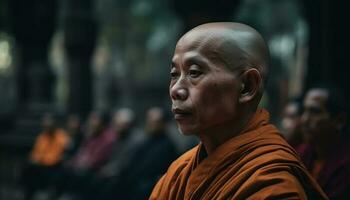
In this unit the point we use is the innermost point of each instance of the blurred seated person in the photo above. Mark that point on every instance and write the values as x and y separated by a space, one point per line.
97 145
93 153
45 157
150 160
291 124
127 138
123 150
326 155
74 130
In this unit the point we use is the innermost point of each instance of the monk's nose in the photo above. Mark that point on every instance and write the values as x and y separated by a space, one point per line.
178 93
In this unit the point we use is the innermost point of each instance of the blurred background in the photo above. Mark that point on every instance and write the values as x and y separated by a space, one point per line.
74 56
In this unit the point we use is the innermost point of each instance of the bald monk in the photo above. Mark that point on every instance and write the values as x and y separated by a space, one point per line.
218 73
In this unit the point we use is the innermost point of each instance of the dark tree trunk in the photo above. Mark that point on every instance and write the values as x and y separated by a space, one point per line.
80 31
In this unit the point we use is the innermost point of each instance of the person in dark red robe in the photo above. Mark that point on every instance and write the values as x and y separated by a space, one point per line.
326 154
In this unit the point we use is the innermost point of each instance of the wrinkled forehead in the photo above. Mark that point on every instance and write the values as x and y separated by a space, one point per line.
195 40
216 45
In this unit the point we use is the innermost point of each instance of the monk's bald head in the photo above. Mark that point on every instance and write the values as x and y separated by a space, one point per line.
236 45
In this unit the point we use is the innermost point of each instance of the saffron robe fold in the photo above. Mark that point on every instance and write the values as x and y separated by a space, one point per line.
256 164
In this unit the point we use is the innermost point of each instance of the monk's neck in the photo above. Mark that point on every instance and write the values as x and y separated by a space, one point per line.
216 136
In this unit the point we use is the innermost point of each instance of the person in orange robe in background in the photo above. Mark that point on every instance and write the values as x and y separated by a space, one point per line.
218 74
45 157
50 145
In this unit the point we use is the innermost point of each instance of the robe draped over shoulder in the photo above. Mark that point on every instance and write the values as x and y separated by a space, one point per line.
256 164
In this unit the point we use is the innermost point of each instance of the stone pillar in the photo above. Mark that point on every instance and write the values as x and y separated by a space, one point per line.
32 25
80 32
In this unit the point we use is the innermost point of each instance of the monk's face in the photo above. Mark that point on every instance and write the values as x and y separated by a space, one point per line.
204 92
316 119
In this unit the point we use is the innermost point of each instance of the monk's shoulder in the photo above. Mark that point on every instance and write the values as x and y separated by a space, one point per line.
280 180
180 163
184 158
275 169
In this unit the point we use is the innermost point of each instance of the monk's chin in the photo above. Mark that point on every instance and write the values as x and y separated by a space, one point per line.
186 132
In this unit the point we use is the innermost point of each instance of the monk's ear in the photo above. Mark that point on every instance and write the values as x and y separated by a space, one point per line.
251 85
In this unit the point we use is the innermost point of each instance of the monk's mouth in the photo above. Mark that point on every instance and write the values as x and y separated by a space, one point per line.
181 114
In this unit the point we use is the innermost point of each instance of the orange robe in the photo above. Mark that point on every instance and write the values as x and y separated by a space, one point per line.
256 164
48 149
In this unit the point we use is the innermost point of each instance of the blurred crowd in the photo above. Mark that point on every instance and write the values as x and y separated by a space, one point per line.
104 158
317 127
108 157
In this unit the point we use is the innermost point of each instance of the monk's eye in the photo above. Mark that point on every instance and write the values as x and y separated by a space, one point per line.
174 74
195 73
